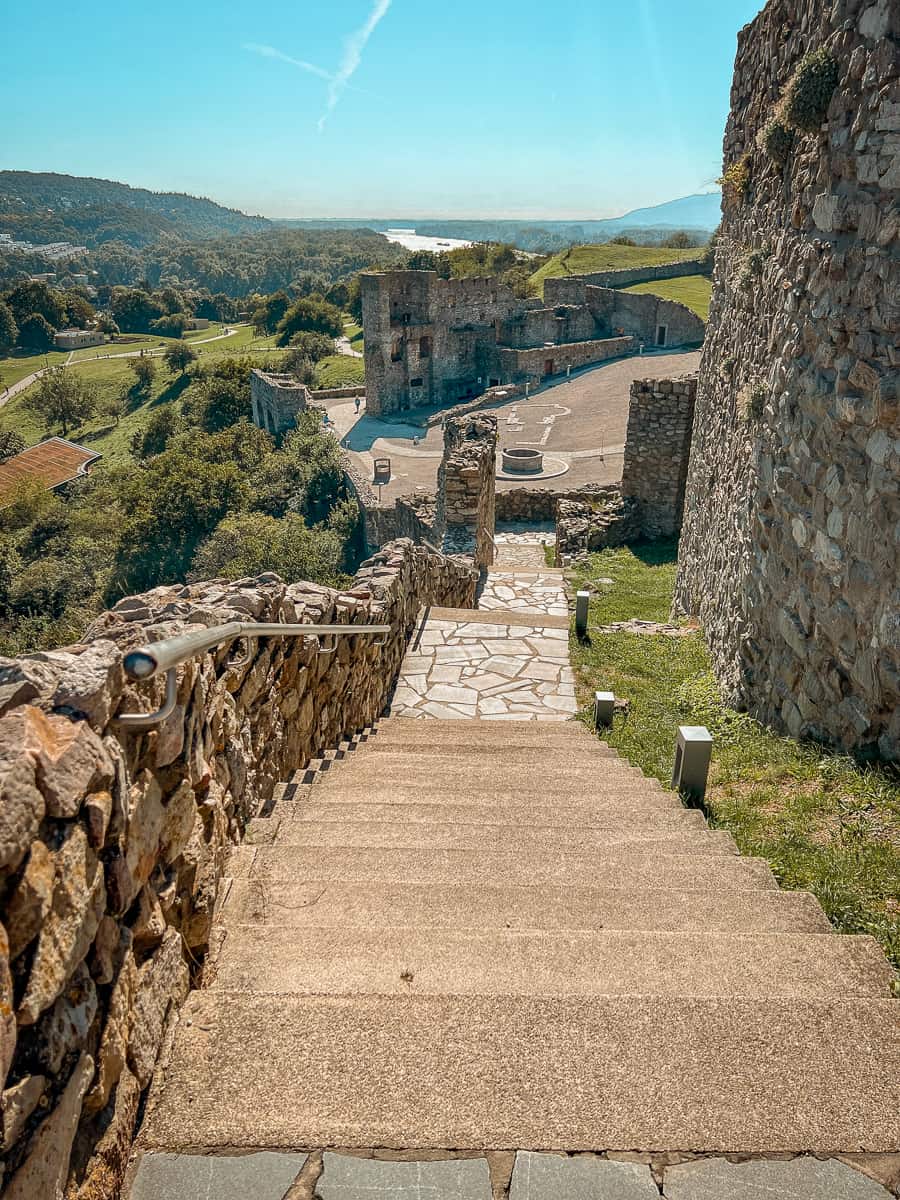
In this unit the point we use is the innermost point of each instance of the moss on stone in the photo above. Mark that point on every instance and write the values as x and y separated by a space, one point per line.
777 139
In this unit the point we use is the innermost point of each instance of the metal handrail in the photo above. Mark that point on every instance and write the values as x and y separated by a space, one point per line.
148 661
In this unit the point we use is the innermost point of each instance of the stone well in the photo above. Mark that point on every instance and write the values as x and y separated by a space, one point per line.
523 460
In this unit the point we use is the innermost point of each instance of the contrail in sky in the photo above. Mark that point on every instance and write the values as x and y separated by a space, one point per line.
353 52
271 52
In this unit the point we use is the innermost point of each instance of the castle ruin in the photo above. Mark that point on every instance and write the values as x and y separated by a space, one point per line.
432 341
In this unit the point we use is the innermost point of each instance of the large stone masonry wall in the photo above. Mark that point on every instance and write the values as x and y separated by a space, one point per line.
790 552
466 486
629 276
657 450
113 844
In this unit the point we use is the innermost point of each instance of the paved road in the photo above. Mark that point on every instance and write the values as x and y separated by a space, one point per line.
25 383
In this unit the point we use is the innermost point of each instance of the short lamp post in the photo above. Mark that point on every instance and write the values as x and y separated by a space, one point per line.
604 706
582 599
693 748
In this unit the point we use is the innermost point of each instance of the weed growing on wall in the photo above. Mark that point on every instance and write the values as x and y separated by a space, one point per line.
777 139
735 183
810 90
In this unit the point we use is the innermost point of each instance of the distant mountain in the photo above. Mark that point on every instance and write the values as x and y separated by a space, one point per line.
38 207
690 212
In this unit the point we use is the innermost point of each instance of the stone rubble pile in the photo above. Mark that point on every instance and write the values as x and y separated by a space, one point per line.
113 843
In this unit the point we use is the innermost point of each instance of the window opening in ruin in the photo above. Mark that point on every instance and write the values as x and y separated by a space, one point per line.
494 383
548 366
424 347
415 383
661 333
396 350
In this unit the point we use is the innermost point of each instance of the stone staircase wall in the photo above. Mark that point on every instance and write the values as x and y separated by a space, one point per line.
112 844
466 486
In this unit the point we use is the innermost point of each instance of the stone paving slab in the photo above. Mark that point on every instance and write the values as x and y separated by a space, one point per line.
798 1179
348 1178
558 1177
265 1176
535 593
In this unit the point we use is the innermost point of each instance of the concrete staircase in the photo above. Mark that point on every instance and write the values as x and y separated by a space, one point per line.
519 942
495 934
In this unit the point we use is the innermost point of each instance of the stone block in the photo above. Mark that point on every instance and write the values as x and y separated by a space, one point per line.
348 1178
797 1179
264 1176
554 1176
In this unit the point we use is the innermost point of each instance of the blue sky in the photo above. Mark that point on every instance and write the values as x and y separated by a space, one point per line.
527 108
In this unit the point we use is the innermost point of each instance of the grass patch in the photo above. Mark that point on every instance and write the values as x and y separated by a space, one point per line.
824 822
695 291
355 334
582 260
339 370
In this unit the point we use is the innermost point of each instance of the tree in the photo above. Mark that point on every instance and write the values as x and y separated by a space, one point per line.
310 315
62 398
297 364
107 325
251 543
9 330
36 334
133 309
679 241
144 372
622 239
313 346
32 296
113 405
224 397
79 312
11 443
157 433
179 357
171 325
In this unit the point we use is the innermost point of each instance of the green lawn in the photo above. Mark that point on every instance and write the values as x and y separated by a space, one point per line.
354 333
693 290
824 822
582 260
111 377
339 370
17 366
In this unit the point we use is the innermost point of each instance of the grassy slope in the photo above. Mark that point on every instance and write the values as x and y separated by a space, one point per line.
823 822
582 260
693 290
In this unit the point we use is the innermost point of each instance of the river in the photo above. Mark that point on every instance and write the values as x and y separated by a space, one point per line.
410 240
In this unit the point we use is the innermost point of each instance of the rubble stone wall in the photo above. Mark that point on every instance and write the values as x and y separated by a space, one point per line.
276 400
790 552
582 527
466 486
113 843
657 450
624 277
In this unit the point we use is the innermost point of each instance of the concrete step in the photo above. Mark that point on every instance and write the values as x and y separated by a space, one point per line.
504 733
340 904
624 868
611 817
472 775
411 835
616 1073
534 751
384 961
629 796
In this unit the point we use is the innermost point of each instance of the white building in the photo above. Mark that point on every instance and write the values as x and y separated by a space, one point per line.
76 339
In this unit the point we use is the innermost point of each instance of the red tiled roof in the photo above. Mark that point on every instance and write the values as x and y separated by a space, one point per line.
52 462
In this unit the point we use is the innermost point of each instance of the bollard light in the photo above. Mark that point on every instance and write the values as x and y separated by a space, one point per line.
604 706
693 749
582 599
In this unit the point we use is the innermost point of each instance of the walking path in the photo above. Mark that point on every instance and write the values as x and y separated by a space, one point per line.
459 946
25 383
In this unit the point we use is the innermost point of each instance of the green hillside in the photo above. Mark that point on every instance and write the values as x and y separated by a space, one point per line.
693 290
583 260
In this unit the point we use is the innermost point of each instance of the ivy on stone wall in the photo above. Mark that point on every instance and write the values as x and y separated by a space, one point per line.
777 139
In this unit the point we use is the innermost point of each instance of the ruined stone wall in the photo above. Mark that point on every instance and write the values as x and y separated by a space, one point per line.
112 844
657 450
538 505
537 326
790 552
556 292
465 497
584 526
276 400
534 365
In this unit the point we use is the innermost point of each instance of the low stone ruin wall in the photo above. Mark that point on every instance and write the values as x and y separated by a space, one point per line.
557 292
539 504
582 527
465 497
494 395
530 364
112 844
657 450
340 393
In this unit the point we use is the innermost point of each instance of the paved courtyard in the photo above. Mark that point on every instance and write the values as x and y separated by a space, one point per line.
580 424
